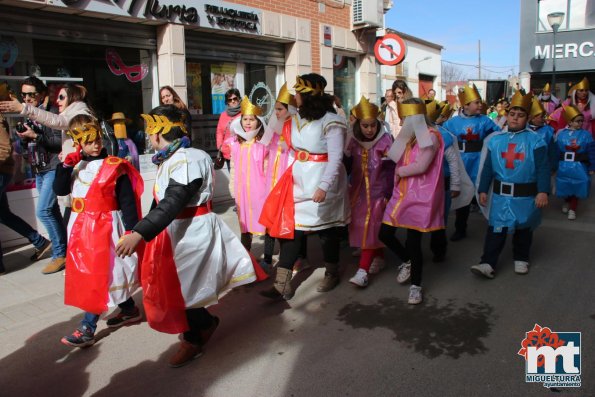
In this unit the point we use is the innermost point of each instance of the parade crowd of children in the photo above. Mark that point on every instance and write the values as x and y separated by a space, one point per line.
305 171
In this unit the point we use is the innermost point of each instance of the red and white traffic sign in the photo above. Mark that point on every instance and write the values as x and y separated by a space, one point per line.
390 49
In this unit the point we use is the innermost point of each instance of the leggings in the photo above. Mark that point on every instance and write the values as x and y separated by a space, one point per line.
410 252
291 249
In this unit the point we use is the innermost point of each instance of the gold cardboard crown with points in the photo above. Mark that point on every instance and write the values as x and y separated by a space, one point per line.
468 94
365 110
546 87
248 108
536 108
445 109
161 124
519 100
303 86
433 110
570 112
285 97
581 85
410 109
84 134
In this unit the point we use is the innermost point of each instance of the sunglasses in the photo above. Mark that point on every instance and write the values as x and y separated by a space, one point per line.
26 94
233 99
61 97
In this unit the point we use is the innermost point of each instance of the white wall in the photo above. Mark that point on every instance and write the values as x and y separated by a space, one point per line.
416 65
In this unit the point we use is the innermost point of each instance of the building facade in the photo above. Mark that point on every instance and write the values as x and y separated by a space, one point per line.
572 48
124 50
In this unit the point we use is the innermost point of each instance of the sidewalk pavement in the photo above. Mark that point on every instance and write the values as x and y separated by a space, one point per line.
462 340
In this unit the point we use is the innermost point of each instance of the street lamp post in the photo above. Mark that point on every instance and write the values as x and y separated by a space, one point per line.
555 19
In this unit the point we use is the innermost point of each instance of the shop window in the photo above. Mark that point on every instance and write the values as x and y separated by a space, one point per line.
117 79
579 14
344 74
260 86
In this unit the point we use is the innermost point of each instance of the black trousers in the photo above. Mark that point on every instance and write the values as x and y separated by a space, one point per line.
462 216
494 243
291 250
198 319
411 251
438 242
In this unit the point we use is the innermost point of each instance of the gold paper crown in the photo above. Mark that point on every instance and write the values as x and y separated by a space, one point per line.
546 87
410 109
536 108
468 94
304 86
160 124
570 112
365 110
285 97
445 109
581 85
247 108
84 134
521 101
433 110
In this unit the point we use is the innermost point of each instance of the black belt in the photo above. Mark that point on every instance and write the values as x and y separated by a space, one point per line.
515 189
470 146
572 156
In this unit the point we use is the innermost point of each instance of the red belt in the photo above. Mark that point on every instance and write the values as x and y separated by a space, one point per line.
80 204
304 155
191 212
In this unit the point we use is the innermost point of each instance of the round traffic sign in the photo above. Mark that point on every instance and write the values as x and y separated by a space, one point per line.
390 49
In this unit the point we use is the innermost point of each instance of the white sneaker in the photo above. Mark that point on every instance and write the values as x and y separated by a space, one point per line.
404 272
356 252
377 265
565 208
571 215
360 278
483 269
415 295
521 267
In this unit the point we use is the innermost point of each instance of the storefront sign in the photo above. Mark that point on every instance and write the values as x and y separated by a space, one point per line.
566 50
204 13
390 50
232 18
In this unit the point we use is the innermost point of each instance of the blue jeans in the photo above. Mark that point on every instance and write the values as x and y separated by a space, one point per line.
90 319
48 212
14 222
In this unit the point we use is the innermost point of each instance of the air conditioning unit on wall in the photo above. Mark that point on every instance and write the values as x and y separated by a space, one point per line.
368 14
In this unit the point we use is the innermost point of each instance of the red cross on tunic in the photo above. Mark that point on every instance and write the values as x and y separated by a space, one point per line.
573 147
470 136
510 156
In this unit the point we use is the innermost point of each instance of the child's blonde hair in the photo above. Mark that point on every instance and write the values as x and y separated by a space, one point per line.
84 129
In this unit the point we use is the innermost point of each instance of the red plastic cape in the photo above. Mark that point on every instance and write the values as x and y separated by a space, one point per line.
89 258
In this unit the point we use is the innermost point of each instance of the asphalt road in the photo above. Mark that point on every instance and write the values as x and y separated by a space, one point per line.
461 341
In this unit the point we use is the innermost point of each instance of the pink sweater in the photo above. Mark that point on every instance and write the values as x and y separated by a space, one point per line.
223 132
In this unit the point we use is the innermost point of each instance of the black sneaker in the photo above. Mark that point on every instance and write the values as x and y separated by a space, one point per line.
124 318
45 248
80 338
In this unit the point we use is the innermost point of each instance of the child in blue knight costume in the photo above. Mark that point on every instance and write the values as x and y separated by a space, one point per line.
470 128
573 144
515 180
537 123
